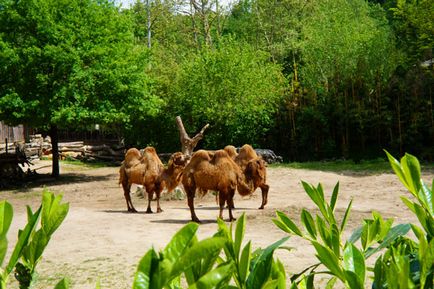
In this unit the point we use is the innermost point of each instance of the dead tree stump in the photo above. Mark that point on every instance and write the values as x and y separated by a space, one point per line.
188 144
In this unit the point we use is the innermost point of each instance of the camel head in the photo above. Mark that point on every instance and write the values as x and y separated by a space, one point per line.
256 170
173 174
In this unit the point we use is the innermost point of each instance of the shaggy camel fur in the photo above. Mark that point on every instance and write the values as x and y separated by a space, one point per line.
148 170
254 167
232 151
218 173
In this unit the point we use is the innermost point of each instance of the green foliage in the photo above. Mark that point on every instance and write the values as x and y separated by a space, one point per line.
58 69
31 241
202 265
233 88
405 263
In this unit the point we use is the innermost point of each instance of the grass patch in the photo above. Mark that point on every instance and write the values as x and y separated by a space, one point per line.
364 166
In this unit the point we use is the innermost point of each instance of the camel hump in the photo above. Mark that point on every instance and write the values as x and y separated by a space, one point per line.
201 154
132 158
231 150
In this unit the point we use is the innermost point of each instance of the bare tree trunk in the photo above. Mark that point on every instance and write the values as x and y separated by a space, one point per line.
188 144
55 150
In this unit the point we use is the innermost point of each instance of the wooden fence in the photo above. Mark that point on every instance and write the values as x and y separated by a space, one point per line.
11 133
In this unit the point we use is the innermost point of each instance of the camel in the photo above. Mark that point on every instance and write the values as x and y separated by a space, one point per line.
148 170
218 173
254 167
232 151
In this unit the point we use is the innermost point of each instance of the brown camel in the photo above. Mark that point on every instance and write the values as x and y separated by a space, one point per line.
254 167
218 173
148 170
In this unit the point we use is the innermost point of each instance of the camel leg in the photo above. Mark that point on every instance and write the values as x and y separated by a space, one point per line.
264 190
150 194
231 205
222 201
127 188
190 200
158 193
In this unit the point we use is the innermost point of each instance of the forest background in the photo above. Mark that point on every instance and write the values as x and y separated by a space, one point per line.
312 80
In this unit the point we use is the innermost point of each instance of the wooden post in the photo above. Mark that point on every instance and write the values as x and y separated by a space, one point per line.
188 144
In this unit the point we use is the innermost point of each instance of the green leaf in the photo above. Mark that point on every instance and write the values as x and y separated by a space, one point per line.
53 213
6 215
352 280
63 284
411 168
317 196
308 223
23 240
329 259
396 166
261 266
244 264
199 251
357 233
331 283
395 232
33 251
216 278
282 226
346 215
334 196
239 234
270 284
323 231
145 269
180 242
354 261
288 223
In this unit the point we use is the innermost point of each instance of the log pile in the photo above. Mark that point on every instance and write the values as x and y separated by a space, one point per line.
39 147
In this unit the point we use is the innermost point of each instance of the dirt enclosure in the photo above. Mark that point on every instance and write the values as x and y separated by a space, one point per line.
99 240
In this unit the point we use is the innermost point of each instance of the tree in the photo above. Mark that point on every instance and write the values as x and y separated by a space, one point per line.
69 64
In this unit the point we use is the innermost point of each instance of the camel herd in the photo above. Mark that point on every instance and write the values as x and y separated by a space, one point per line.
223 171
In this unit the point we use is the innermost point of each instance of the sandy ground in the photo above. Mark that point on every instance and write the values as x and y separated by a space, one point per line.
99 240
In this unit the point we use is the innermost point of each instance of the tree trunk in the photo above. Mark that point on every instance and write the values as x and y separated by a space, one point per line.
188 144
55 150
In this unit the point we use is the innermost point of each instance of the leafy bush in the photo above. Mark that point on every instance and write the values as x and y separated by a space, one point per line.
404 264
31 240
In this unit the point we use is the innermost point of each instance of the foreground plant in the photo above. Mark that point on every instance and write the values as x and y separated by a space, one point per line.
31 241
404 264
200 264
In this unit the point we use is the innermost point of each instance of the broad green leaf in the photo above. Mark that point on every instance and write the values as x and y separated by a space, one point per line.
395 232
409 204
200 250
261 266
317 196
6 215
180 242
411 168
427 200
334 196
335 240
329 259
352 280
217 278
145 269
417 231
244 264
282 226
3 249
53 213
33 251
239 234
63 284
354 261
308 223
288 223
23 239
396 166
